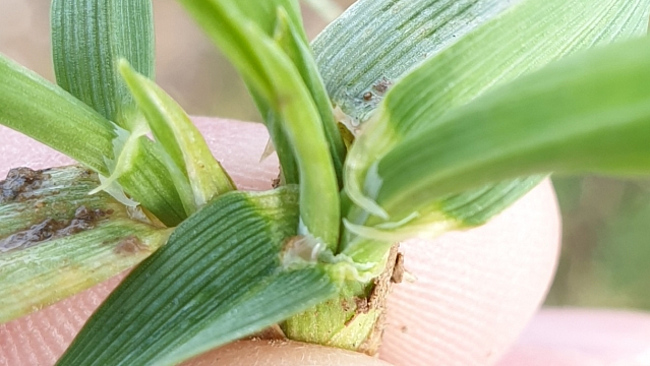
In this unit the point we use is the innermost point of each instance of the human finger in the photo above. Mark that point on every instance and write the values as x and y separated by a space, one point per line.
281 353
583 337
475 290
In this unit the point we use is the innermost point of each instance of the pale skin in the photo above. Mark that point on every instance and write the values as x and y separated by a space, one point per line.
474 292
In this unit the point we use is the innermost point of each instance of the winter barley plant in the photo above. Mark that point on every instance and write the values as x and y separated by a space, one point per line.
404 118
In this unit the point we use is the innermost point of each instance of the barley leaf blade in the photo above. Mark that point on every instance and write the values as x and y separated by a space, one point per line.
218 278
56 240
518 41
45 112
273 77
33 106
588 113
376 42
88 37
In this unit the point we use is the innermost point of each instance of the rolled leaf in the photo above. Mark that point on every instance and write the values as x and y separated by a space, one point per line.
56 240
89 37
147 180
291 36
273 76
218 278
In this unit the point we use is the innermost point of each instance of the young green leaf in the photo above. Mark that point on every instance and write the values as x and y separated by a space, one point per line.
35 107
88 37
281 20
289 172
273 76
291 37
589 113
56 240
182 142
218 278
466 69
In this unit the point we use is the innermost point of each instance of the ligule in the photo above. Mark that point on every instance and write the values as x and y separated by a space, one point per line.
182 142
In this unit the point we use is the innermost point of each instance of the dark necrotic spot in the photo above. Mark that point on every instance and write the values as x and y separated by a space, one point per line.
84 219
20 181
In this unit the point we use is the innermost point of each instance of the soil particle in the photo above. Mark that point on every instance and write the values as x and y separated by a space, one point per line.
363 307
130 245
346 306
398 271
19 182
84 219
377 301
276 182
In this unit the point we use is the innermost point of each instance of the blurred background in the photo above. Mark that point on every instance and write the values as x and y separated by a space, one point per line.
605 257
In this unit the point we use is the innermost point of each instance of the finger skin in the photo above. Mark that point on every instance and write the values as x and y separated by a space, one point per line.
578 337
475 290
281 353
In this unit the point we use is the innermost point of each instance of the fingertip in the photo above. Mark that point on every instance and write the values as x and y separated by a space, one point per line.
281 353
576 337
18 150
41 337
475 290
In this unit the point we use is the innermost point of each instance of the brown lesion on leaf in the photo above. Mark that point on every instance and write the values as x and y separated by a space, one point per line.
20 182
131 245
382 86
49 229
377 91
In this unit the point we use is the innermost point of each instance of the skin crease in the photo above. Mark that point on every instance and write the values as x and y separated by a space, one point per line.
475 291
